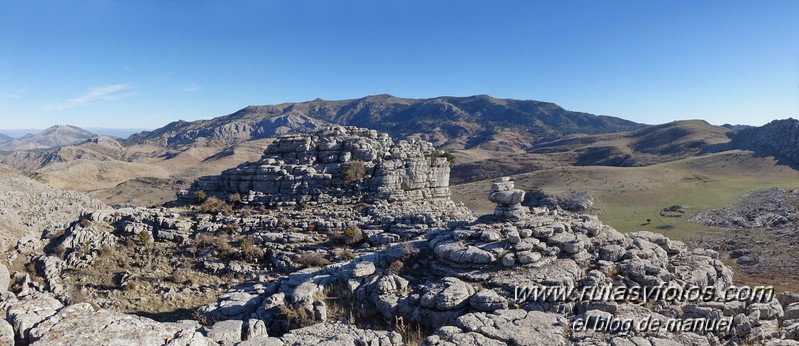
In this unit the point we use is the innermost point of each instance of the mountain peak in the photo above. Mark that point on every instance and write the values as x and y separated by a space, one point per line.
52 137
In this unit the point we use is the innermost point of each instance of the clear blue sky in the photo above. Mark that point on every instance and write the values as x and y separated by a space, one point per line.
145 63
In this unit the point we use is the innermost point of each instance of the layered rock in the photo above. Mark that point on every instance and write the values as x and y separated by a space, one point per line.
508 199
336 164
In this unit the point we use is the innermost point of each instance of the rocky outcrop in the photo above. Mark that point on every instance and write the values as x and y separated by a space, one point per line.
769 208
336 164
28 207
508 199
465 281
576 201
80 324
779 137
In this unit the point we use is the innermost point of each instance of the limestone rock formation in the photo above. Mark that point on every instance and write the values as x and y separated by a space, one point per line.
779 137
336 164
28 207
508 199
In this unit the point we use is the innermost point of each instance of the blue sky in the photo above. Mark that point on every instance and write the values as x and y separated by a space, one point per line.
145 63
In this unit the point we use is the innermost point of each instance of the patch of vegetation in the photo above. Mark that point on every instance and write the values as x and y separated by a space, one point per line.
297 318
309 259
230 229
234 198
200 196
396 267
355 172
344 254
213 205
145 239
349 236
445 154
412 333
249 250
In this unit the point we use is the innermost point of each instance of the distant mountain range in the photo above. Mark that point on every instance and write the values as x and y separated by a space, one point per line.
52 137
449 122
489 137
8 134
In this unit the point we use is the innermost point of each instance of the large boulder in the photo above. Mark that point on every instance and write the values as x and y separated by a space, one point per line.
80 324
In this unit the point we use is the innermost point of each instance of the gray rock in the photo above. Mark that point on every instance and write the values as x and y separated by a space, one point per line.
488 300
325 334
363 269
543 232
80 325
226 332
6 333
517 327
507 197
26 313
526 257
509 260
232 305
791 312
450 293
5 278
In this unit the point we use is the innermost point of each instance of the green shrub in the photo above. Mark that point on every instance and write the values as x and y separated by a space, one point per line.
200 196
440 153
144 238
249 250
353 235
213 205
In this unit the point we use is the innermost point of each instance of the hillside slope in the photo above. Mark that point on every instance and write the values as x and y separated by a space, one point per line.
642 147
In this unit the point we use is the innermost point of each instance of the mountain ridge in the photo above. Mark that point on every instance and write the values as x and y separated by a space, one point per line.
52 137
449 122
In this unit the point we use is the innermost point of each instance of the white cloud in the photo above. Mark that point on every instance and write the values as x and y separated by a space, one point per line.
108 92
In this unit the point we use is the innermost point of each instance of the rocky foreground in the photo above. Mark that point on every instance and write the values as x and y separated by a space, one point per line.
301 249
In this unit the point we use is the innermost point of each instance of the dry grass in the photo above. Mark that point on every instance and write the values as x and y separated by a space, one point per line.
308 259
344 254
354 172
213 205
297 317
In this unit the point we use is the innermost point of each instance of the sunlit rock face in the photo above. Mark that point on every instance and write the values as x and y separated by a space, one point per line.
346 164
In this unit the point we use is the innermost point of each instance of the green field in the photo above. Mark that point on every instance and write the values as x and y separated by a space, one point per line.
628 196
